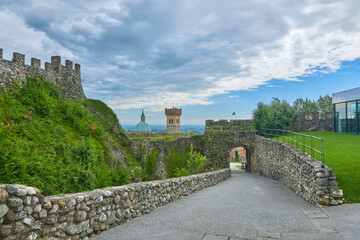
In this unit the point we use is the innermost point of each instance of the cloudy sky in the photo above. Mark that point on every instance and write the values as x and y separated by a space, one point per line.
209 57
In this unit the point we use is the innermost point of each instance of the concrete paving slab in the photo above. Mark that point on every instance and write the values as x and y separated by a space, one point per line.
315 214
215 237
269 234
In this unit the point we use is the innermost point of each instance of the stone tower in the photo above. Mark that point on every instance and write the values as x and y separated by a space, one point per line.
173 120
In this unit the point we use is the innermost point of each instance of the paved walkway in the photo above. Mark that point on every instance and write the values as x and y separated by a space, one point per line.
246 206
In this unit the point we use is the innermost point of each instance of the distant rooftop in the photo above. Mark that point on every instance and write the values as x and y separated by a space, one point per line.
347 95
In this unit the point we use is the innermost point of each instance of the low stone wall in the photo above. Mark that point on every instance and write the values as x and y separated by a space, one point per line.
297 170
26 214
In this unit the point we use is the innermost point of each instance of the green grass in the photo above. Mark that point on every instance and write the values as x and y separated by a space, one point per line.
343 156
239 167
162 137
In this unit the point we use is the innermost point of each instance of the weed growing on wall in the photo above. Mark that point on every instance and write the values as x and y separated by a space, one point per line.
150 165
184 162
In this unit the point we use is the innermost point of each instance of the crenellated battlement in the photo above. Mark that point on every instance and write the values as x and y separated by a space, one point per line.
67 77
225 122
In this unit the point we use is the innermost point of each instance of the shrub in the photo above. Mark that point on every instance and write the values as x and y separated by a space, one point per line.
184 162
150 165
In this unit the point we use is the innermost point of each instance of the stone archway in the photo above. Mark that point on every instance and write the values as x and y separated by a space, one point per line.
218 145
237 158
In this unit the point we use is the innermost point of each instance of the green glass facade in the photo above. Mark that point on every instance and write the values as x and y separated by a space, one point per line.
347 111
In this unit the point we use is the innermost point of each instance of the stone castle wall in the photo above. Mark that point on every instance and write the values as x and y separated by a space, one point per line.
297 170
234 125
26 214
303 124
314 123
164 148
67 77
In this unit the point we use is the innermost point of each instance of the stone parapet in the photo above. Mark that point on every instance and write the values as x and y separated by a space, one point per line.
26 214
297 170
66 77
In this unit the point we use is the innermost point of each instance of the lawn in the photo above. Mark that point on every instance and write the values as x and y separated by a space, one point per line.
343 156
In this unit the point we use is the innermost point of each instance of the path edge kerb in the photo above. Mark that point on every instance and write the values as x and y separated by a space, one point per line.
26 213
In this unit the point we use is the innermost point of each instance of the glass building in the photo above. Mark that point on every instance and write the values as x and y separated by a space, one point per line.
347 111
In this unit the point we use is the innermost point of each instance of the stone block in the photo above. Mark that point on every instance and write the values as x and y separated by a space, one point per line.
3 196
3 210
80 216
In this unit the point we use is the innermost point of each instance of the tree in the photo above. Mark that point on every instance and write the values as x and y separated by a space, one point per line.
277 115
307 106
324 105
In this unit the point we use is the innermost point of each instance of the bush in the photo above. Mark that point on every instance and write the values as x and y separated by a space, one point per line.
184 162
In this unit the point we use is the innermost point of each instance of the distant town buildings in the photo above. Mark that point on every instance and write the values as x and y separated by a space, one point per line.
173 120
347 111
142 126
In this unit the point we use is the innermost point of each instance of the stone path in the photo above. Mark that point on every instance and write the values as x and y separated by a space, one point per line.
246 206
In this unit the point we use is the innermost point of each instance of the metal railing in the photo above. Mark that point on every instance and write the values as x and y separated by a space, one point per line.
300 141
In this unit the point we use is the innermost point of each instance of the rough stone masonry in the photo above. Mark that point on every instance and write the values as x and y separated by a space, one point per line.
26 214
67 77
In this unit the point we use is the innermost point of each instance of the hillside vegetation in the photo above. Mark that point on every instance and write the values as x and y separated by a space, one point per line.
60 145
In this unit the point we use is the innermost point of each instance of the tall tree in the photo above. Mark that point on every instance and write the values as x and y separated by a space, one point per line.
324 105
307 106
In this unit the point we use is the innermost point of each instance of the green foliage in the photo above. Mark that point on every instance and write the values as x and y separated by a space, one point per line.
150 165
237 159
322 105
181 172
175 161
195 162
57 145
184 162
277 115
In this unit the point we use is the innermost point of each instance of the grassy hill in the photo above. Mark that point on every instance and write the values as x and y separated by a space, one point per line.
61 145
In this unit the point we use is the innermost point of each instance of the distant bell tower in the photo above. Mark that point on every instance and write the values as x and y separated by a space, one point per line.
173 120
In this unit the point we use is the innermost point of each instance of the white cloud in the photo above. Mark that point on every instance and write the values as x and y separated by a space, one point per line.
17 37
148 53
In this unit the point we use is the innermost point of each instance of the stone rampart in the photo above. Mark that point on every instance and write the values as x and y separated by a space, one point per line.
223 125
225 122
297 170
314 122
26 214
67 77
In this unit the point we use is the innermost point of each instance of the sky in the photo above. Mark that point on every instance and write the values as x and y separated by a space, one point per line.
211 58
